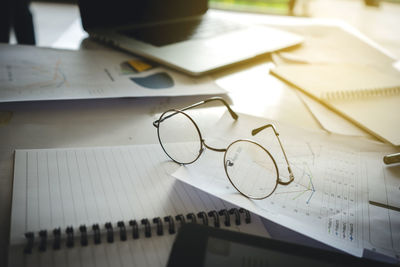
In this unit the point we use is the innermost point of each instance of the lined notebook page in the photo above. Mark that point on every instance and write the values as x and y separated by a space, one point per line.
70 187
340 81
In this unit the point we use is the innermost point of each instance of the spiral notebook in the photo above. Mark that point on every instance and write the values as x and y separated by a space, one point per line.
110 206
365 95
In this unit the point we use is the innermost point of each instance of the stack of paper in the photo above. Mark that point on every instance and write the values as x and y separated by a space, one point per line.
348 76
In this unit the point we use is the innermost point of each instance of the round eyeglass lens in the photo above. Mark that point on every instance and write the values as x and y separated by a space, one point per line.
179 137
251 169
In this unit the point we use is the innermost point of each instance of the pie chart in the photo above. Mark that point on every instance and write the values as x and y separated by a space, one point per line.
161 80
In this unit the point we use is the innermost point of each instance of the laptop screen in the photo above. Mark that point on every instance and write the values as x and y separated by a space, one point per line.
111 13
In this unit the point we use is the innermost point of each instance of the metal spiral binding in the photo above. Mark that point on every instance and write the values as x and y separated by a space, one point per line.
94 233
356 94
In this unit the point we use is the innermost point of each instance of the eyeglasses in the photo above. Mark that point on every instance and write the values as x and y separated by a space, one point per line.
250 168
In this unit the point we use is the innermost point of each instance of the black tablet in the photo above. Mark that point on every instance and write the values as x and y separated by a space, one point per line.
198 245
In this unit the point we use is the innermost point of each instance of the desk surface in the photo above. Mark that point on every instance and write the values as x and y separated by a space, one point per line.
117 121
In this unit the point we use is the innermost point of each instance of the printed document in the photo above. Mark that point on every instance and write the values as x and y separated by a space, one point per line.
29 73
331 199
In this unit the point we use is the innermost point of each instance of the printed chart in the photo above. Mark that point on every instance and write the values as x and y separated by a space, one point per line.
323 192
30 75
328 199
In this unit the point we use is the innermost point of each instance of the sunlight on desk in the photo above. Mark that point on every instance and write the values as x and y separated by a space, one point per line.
274 99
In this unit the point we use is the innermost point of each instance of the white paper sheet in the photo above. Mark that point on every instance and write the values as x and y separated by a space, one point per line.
31 73
71 187
327 201
332 44
329 120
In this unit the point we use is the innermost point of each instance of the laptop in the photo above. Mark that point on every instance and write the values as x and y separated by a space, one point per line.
181 34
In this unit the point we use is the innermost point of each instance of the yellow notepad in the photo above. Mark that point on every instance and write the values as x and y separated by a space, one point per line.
365 95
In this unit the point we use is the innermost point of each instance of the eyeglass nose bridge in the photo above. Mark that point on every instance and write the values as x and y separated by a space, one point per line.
212 148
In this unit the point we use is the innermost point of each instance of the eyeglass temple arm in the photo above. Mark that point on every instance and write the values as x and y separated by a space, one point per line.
231 112
257 130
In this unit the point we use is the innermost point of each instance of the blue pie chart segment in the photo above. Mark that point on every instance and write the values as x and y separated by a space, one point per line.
161 80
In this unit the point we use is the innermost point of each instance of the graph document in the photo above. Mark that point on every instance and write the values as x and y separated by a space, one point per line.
340 196
29 73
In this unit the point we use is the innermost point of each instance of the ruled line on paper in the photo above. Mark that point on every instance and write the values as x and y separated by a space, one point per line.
69 187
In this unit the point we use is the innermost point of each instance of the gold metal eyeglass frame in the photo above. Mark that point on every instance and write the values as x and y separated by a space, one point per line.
204 144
